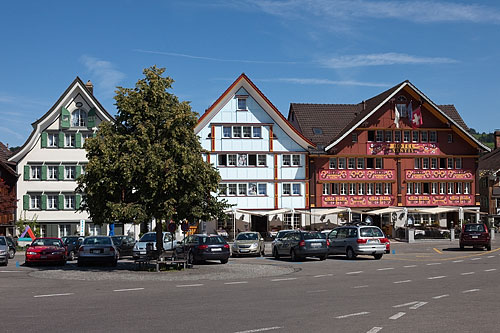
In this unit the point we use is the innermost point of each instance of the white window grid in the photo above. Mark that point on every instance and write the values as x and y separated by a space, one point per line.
69 172
52 172
52 139
35 201
69 201
36 172
52 201
333 163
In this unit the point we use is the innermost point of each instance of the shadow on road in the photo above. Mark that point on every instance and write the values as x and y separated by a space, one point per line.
468 249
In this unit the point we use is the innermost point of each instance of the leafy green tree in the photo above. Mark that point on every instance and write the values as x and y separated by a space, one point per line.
148 163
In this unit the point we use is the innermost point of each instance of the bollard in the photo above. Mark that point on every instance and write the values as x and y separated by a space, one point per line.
452 234
17 264
393 251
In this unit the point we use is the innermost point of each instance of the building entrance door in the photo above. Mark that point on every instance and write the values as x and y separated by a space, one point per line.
259 223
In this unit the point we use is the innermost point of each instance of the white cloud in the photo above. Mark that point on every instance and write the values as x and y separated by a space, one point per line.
380 59
316 81
107 76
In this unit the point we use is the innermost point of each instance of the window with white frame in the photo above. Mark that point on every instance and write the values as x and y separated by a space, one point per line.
287 160
459 188
69 172
95 230
242 103
86 136
52 172
370 188
256 132
326 189
69 140
406 136
291 160
52 201
69 201
335 189
236 131
387 188
43 230
352 189
341 162
64 230
247 131
434 163
361 189
409 188
222 189
35 201
52 140
425 163
242 189
242 160
434 188
379 136
295 160
343 189
231 189
442 188
36 172
351 163
295 189
418 188
252 189
450 188
231 159
397 136
414 136
423 136
287 189
379 163
466 188
361 163
261 160
354 137
333 163
227 132
378 188
432 136
388 136
458 163
418 163
450 138
262 189
402 108
287 221
79 118
450 163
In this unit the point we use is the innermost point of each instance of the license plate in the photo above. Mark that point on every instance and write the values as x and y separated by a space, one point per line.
243 250
373 241
216 249
95 251
475 236
142 252
43 257
315 244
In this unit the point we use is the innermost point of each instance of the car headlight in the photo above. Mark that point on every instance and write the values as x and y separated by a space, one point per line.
255 244
30 252
235 245
57 252
3 252
136 247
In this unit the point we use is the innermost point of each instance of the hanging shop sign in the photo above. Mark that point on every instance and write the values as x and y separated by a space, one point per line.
357 200
439 175
334 174
439 200
386 148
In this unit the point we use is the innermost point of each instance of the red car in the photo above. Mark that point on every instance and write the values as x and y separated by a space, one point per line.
476 235
46 250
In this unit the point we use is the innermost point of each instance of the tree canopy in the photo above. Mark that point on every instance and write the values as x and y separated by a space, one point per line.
148 163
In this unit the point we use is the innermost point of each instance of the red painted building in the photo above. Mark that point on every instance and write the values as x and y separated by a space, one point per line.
8 179
398 149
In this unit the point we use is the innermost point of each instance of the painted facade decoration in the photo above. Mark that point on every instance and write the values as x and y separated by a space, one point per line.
360 175
439 175
402 148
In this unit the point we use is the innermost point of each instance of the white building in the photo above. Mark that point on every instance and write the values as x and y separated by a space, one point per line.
51 160
261 158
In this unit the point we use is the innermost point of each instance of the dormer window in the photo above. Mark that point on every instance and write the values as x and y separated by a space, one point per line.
79 118
242 102
317 131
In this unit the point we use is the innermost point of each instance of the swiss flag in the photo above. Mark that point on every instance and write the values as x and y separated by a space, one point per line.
416 118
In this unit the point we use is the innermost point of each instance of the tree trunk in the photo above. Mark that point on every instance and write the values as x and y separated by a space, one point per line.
159 235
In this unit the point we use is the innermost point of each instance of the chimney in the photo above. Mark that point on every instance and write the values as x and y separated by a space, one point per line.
497 139
90 87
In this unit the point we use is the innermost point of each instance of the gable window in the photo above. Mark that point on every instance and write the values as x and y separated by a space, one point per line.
79 118
341 162
402 109
388 136
380 136
247 131
406 136
296 160
423 136
69 140
333 163
371 135
354 137
351 163
242 103
257 132
450 138
52 140
432 136
226 131
236 131
434 163
286 160
379 163
415 136
361 163
397 136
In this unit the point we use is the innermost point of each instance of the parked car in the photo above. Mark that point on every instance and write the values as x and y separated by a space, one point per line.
124 245
12 246
248 243
97 249
204 247
279 236
46 250
354 240
300 244
476 235
387 246
139 250
4 251
73 244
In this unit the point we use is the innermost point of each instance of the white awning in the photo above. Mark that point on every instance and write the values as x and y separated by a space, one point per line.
434 210
384 211
331 211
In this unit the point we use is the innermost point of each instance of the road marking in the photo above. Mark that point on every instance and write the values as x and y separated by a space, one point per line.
434 263
374 329
490 257
323 275
436 277
468 273
236 282
261 329
53 295
10 271
416 306
189 285
131 289
352 315
470 291
397 315
403 305
317 291
364 286
476 259
385 269
409 266
404 281
285 279
441 296
437 250
357 272
458 260
490 270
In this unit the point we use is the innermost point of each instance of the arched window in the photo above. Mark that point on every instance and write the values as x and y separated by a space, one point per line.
79 118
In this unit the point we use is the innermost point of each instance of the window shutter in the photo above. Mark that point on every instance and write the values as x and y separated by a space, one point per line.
78 171
44 172
78 200
26 202
78 140
44 201
91 118
60 202
44 139
60 172
26 172
61 140
65 118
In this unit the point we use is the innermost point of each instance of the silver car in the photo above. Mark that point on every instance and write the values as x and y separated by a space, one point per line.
97 249
354 240
139 250
248 243
4 251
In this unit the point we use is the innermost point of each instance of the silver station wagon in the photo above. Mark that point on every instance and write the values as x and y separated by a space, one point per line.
355 240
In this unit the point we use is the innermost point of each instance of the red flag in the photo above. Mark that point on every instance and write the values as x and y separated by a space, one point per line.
416 118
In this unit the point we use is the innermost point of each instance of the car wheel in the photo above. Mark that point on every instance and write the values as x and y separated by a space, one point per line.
323 257
191 258
461 247
377 256
294 256
488 247
350 254
263 251
12 253
118 254
224 261
276 255
114 263
234 255
72 255
79 263
6 262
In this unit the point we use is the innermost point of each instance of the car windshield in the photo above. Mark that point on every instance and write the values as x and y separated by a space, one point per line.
247 237
371 232
97 241
313 235
282 234
149 237
2 241
474 228
211 240
117 240
46 242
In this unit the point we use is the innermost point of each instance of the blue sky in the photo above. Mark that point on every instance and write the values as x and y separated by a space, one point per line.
303 51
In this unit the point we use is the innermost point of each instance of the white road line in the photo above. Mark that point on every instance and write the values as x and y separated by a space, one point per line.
490 257
441 296
409 266
363 286
490 270
236 282
416 306
10 271
405 304
261 329
189 285
404 281
317 291
323 275
131 289
476 259
436 277
397 315
385 269
374 329
457 261
434 263
53 295
357 272
470 291
285 279
352 315
468 273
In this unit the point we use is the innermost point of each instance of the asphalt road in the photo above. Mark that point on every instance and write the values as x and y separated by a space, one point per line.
423 287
